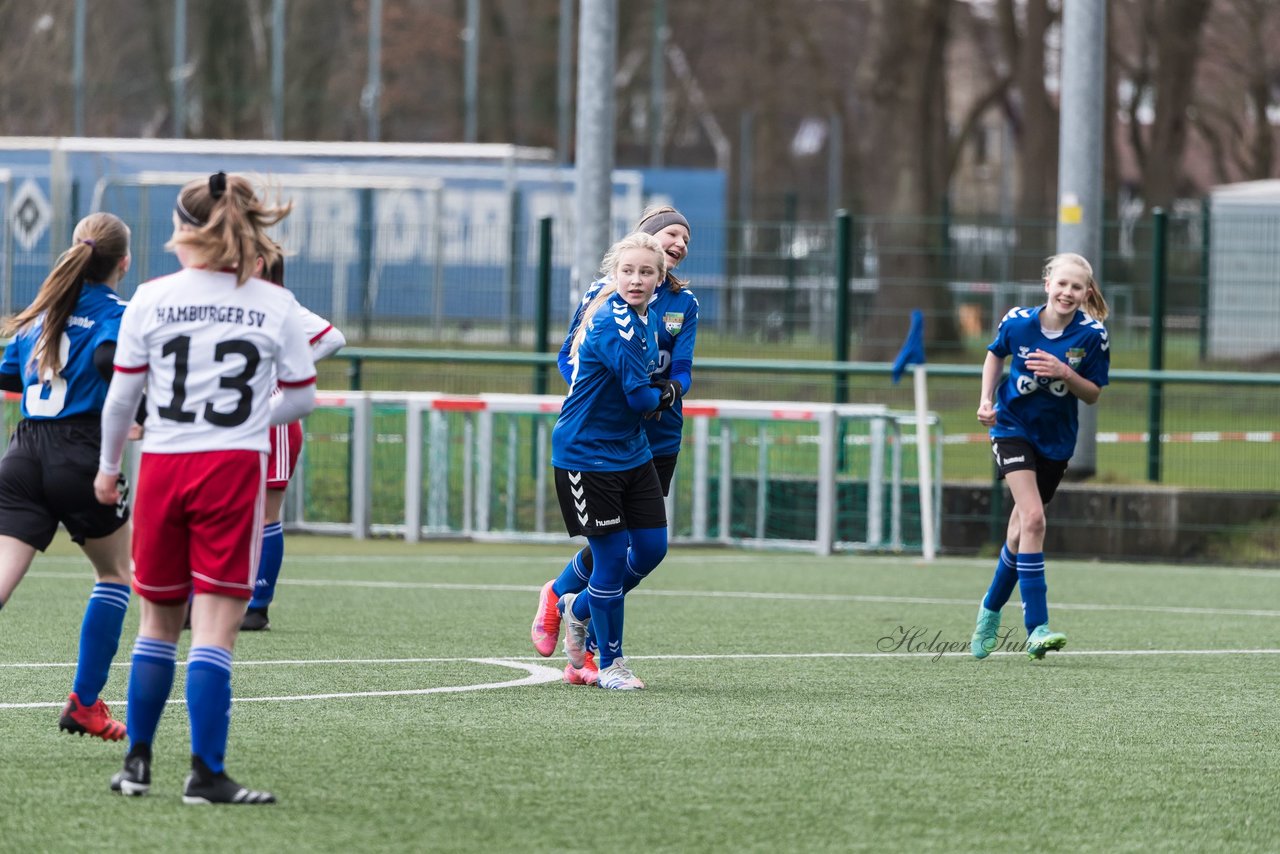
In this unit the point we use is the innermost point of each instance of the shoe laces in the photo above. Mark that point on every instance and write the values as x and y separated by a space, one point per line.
620 670
549 613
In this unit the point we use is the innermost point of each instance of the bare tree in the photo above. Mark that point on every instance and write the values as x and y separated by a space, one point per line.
1238 88
906 146
1159 47
1031 111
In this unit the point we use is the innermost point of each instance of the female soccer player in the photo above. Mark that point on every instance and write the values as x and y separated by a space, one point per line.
60 360
209 343
286 445
1060 355
675 309
605 478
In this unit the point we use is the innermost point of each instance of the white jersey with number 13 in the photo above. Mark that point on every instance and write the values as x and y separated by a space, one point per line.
213 351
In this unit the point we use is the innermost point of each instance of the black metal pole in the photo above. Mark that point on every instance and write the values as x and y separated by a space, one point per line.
542 322
1154 400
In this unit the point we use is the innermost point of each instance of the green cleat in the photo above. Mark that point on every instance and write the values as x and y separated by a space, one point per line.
1041 640
984 636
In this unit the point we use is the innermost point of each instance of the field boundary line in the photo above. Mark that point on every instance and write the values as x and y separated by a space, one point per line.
764 596
535 674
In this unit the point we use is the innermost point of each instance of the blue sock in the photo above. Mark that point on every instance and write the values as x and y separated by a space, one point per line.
606 619
264 589
1035 603
209 703
573 578
582 608
1003 582
648 548
99 639
150 681
603 602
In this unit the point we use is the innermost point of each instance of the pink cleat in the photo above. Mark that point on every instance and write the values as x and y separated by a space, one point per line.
546 622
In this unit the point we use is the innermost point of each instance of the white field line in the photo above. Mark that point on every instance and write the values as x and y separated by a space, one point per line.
511 660
540 674
536 674
768 597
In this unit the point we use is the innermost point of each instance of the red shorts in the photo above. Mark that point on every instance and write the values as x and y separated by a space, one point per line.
198 524
286 444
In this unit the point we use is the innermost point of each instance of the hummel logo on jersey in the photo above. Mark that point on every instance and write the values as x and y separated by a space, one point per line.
615 520
624 321
575 477
1008 460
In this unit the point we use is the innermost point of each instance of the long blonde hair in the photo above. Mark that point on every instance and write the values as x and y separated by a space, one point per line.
100 243
1095 303
226 224
608 265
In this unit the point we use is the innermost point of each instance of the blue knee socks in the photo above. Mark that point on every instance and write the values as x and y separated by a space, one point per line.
209 703
1035 603
1002 583
264 589
99 639
573 578
150 680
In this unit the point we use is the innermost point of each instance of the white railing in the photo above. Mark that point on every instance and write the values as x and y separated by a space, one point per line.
479 467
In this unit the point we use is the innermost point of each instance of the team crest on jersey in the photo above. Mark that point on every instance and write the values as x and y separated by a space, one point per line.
673 320
1075 356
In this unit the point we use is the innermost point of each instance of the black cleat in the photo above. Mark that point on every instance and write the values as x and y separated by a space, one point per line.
205 787
135 778
255 620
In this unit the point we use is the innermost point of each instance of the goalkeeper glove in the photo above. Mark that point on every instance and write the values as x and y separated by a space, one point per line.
670 392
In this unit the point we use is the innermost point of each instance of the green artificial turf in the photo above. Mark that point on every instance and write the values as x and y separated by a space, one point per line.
794 703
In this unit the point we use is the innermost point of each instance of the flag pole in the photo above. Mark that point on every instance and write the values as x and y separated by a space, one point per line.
924 459
912 353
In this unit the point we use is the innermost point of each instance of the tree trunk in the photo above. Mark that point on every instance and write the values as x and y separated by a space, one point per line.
906 139
1177 45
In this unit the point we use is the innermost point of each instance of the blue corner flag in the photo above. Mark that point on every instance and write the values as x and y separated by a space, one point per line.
912 352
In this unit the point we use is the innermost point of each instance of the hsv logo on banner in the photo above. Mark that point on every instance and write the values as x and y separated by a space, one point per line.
29 214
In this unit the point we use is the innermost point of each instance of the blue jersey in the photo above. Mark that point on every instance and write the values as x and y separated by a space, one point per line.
1038 409
676 316
78 389
597 429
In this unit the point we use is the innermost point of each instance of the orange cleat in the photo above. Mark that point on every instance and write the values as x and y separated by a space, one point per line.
94 720
587 674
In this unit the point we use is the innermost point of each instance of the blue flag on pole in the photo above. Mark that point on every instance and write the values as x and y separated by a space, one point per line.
912 352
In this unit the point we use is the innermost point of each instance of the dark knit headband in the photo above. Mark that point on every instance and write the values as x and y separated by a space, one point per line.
659 221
